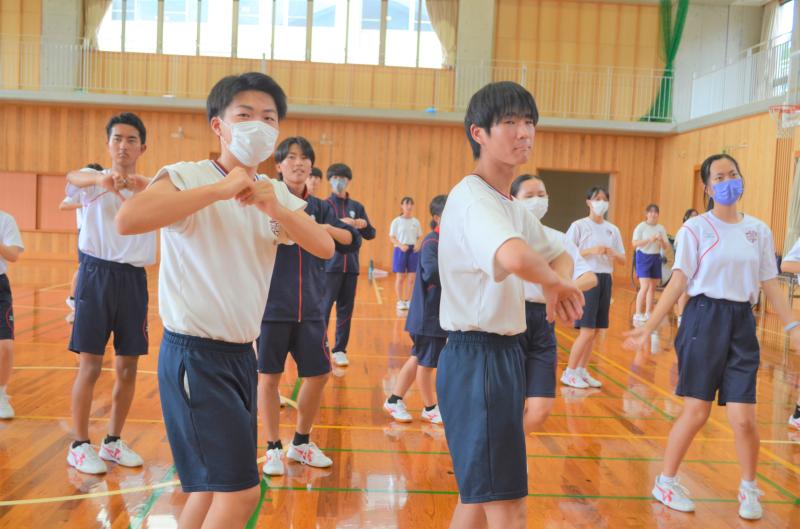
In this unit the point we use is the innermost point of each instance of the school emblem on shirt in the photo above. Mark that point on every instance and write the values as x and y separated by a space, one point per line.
751 236
275 226
352 214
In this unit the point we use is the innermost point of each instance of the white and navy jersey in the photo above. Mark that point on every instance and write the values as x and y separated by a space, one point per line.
216 264
794 254
477 293
99 237
406 230
586 233
725 261
644 231
9 236
533 291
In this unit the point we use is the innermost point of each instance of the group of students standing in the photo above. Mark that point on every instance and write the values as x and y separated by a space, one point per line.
491 281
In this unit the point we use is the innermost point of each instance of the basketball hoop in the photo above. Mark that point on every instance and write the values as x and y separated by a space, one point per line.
786 117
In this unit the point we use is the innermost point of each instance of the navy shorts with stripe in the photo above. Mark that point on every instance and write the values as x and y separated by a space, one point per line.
481 388
597 304
110 298
718 351
6 310
539 344
306 340
208 398
427 349
648 265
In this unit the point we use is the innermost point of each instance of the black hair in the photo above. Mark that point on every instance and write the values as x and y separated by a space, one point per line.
705 173
651 207
95 166
494 102
521 179
316 172
437 207
228 87
688 214
406 199
592 192
282 151
340 169
127 118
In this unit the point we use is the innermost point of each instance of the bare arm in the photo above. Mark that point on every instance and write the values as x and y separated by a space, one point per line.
677 286
586 281
563 265
67 205
790 267
10 253
312 237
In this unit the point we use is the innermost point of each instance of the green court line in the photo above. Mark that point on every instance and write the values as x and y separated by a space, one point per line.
144 512
356 408
296 389
251 523
780 489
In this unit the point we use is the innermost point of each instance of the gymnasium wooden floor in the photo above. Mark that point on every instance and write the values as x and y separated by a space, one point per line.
593 466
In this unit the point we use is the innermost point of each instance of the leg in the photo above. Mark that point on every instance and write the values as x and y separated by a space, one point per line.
426 382
536 411
269 404
345 304
122 396
693 417
398 285
195 510
583 342
406 377
507 514
742 418
6 361
82 390
468 516
651 291
232 509
308 401
408 286
333 284
640 296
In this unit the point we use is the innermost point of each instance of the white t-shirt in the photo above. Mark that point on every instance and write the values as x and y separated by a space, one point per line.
477 293
645 231
216 264
586 233
99 237
533 291
78 212
794 254
9 236
406 231
725 261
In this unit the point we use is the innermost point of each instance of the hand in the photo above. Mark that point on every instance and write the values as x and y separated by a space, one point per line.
137 182
636 339
349 221
794 338
564 300
360 224
403 247
608 251
111 182
235 183
261 195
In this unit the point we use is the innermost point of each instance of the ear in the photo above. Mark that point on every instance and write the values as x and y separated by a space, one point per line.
478 134
143 148
216 125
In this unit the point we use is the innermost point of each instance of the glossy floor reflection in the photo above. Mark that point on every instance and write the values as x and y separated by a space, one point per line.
592 466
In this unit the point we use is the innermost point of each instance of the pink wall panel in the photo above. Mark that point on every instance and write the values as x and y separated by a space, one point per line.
51 193
18 197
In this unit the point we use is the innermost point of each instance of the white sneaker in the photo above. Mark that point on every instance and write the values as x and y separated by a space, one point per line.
401 305
85 459
638 319
792 421
70 317
573 379
6 411
398 411
749 505
407 304
679 320
433 416
274 464
673 495
120 453
589 379
308 454
340 358
71 304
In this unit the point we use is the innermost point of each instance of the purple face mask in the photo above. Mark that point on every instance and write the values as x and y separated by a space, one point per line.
728 192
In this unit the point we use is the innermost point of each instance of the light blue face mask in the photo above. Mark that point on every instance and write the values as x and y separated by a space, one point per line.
339 184
728 192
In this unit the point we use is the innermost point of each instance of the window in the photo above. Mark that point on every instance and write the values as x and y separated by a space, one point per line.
109 32
290 29
254 40
401 33
180 27
216 27
364 38
329 31
431 53
141 26
785 18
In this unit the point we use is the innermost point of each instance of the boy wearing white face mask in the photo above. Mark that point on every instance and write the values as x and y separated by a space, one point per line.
539 339
600 244
222 224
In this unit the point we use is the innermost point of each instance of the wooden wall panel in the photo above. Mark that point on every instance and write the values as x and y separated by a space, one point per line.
18 197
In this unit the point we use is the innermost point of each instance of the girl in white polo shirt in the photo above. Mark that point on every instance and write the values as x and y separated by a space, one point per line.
404 233
600 244
649 239
723 257
791 265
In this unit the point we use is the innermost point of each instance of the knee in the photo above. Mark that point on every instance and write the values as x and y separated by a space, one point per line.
90 372
248 499
697 416
318 381
743 424
126 374
269 382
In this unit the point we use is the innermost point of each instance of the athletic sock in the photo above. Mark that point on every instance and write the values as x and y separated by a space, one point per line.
272 445
111 439
749 485
300 439
796 411
76 444
664 480
394 398
430 408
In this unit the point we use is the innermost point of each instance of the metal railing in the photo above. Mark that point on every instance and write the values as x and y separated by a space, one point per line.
757 74
561 90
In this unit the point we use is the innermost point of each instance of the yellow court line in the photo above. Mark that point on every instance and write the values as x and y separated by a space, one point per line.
53 287
771 455
377 290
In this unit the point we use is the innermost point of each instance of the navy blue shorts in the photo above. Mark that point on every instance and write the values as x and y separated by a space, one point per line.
718 352
6 310
427 349
598 302
208 398
648 265
110 297
403 262
306 340
539 344
481 388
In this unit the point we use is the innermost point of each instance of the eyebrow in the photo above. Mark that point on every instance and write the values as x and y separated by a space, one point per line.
251 109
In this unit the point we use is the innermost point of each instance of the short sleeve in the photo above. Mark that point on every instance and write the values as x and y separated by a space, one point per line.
179 182
637 232
419 228
393 228
574 235
548 245
580 265
768 263
687 255
10 234
618 245
486 227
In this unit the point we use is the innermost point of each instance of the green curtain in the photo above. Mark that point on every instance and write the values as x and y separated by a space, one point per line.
671 33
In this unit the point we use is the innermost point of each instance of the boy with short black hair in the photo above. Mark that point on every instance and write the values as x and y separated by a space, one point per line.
216 265
343 269
489 245
314 180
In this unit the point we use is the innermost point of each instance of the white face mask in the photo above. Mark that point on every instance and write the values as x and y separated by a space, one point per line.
536 205
599 207
339 184
252 142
